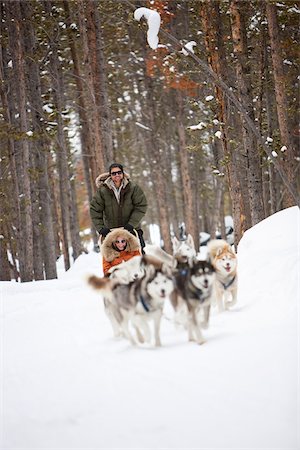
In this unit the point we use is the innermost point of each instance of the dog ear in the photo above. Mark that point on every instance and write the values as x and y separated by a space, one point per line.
150 270
232 249
190 241
166 270
219 251
175 243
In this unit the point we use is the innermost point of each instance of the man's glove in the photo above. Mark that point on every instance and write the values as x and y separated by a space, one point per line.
129 228
104 231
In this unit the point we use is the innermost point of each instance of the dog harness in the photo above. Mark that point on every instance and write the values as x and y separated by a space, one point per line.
197 292
144 303
226 286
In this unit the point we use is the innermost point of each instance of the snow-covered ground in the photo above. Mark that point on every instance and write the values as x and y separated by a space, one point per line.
67 384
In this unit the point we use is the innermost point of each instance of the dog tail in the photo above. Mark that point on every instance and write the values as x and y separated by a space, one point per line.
216 247
102 284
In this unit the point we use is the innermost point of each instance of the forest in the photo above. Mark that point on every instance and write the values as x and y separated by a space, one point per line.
207 123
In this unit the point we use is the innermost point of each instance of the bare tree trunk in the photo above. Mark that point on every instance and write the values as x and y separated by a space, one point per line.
4 238
272 123
61 153
281 99
255 190
85 131
189 203
57 226
15 41
210 14
98 157
159 178
40 150
38 266
96 48
74 221
6 112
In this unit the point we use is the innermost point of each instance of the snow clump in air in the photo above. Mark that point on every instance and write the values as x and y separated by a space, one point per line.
153 19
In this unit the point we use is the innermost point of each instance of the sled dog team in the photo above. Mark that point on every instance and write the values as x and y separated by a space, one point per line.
135 291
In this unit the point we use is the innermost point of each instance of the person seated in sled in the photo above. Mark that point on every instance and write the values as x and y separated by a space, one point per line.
118 246
118 202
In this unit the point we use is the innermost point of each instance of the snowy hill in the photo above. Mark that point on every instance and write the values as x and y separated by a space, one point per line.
66 383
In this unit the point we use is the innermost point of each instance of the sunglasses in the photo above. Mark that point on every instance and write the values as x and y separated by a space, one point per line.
119 172
122 241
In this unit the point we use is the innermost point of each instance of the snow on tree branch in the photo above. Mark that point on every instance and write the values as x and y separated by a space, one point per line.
190 46
153 19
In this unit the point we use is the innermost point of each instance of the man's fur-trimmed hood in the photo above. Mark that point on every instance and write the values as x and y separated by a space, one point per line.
105 179
107 250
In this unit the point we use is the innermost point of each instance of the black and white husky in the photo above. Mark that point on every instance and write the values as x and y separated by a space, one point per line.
192 296
132 306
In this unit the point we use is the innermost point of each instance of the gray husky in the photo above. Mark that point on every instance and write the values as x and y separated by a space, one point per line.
192 296
131 306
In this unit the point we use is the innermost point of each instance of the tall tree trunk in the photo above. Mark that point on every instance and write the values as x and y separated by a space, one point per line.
85 131
272 124
4 238
244 87
189 199
38 266
281 99
210 14
96 44
6 112
15 41
158 174
74 221
61 150
39 148
97 162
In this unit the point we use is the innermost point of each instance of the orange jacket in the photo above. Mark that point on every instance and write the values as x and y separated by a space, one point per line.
123 256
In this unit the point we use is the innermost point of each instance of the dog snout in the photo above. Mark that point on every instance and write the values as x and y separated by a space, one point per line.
135 275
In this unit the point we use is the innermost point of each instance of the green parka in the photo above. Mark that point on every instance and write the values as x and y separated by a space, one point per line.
107 212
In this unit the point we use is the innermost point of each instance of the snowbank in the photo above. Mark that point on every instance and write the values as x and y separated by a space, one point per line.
66 383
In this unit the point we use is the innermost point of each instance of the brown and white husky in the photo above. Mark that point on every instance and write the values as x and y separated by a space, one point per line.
224 260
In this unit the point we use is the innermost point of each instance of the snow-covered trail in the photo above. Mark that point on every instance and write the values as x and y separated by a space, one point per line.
66 383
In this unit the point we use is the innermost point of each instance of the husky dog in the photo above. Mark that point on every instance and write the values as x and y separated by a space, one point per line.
224 260
192 296
125 273
184 251
134 304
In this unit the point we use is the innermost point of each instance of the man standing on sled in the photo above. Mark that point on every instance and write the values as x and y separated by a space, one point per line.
118 202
